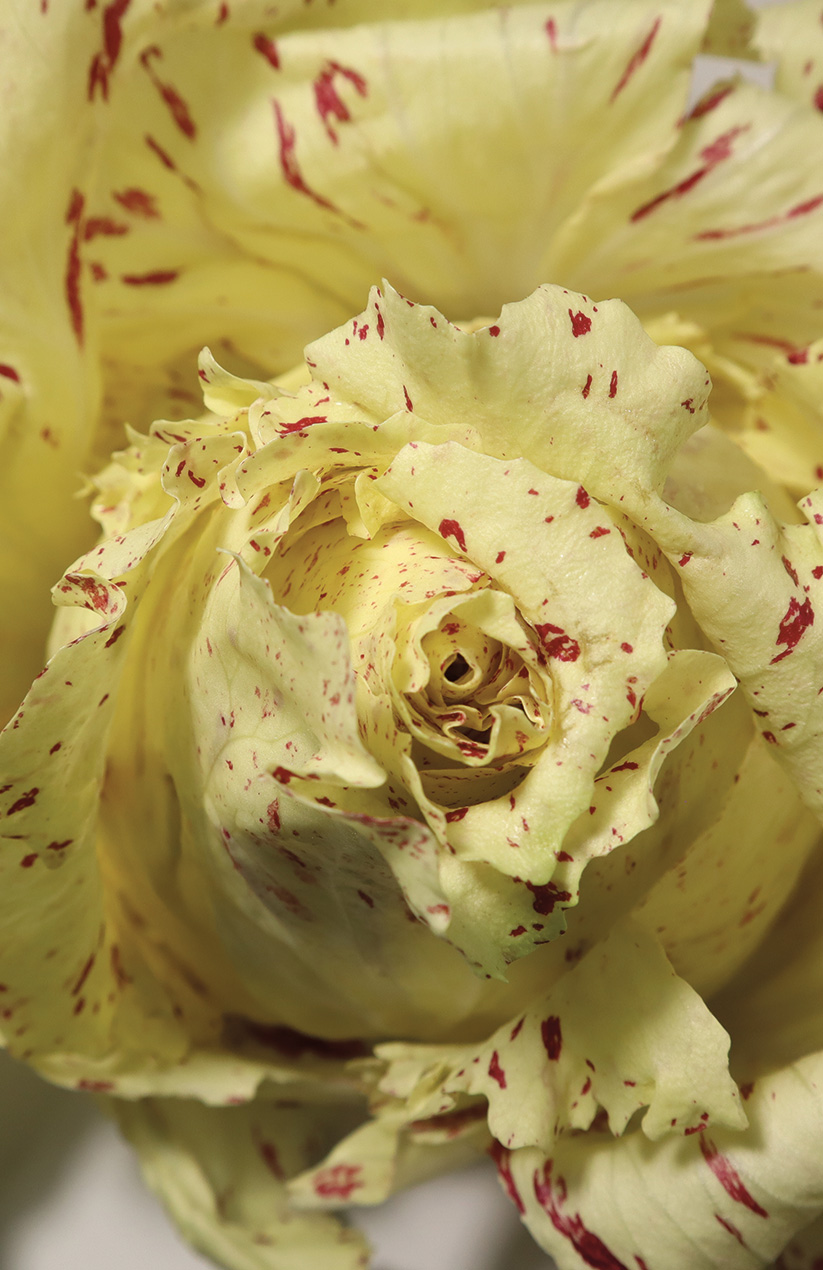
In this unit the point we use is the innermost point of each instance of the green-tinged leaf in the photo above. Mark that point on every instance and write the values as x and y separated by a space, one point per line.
222 1173
723 566
718 1200
793 38
712 909
620 1031
730 30
774 1005
389 1153
803 1250
596 401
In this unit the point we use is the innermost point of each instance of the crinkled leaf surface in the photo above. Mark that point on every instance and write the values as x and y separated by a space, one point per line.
715 1200
221 1174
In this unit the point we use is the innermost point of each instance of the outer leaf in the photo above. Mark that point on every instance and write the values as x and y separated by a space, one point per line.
777 658
794 39
613 1033
674 228
596 401
719 1200
222 1174
774 1005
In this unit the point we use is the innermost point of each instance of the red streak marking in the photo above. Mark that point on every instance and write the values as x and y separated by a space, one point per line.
552 1037
457 814
818 98
138 202
299 424
636 60
83 976
103 63
769 340
586 389
94 591
581 324
103 225
117 968
711 101
165 159
562 646
115 635
684 559
291 171
273 816
381 325
158 278
222 15
494 331
787 565
496 1071
60 846
329 102
72 279
25 800
817 571
500 557
501 1158
95 1086
367 899
515 1032
628 766
283 775
729 1178
588 1246
613 384
800 209
9 372
546 896
268 48
581 497
452 529
28 860
409 405
179 110
338 1181
599 532
715 153
268 1151
796 621
627 648
727 1225
551 31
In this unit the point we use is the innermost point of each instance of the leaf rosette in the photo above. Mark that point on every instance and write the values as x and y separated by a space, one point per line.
378 728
